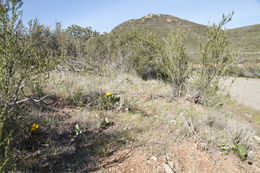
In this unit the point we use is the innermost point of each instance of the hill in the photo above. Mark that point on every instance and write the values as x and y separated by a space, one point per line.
163 24
245 39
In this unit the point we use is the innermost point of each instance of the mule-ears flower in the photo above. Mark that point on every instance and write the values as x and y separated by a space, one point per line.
108 94
35 126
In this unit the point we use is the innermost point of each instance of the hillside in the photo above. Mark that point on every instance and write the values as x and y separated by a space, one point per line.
245 39
78 101
144 132
163 24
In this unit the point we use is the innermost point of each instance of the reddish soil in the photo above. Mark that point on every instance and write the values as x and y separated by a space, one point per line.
185 157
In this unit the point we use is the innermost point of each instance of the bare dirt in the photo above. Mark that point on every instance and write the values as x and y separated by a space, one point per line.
246 91
185 157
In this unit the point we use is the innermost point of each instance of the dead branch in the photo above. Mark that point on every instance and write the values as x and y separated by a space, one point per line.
54 109
189 127
23 101
35 101
185 122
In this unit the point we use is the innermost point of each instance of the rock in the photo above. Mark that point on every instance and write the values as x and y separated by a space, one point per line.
149 16
257 139
171 164
154 158
169 20
173 121
168 169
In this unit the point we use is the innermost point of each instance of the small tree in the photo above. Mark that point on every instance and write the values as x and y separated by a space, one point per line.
174 61
26 57
216 61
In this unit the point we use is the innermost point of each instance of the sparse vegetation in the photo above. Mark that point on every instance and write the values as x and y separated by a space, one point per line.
63 108
249 70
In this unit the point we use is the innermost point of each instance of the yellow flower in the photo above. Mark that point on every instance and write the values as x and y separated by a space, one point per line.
233 146
108 94
34 126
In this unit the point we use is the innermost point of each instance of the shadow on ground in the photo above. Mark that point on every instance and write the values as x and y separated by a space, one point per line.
71 153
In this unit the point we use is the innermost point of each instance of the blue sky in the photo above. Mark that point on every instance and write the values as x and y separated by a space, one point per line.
104 15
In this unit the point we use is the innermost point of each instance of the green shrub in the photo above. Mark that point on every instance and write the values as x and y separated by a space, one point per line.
147 49
216 57
144 47
98 54
26 57
174 62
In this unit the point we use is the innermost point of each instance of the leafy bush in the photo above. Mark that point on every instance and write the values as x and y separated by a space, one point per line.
144 47
26 57
97 53
174 62
216 58
148 48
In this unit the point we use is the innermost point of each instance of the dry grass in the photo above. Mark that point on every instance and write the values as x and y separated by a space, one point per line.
149 123
63 84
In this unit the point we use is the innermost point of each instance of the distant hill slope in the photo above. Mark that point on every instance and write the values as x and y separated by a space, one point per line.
246 39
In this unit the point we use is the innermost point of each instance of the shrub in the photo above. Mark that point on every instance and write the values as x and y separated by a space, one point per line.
148 48
97 53
144 47
174 62
216 58
26 57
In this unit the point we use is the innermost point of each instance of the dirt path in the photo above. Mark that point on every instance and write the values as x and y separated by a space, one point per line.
246 91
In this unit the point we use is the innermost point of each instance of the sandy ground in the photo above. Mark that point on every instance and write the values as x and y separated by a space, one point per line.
246 91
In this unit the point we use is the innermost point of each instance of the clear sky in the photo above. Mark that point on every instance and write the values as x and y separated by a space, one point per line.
104 15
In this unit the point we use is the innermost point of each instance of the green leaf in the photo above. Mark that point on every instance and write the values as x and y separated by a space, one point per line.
77 127
242 151
106 120
99 124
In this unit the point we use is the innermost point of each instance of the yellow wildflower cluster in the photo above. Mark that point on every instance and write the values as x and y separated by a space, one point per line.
35 126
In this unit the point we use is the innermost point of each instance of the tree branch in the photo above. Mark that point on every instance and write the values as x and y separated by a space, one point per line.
23 101
35 101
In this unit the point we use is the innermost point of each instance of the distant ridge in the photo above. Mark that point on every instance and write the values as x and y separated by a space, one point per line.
245 39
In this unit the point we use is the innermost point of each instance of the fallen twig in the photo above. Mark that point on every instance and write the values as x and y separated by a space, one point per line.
189 127
185 122
52 108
